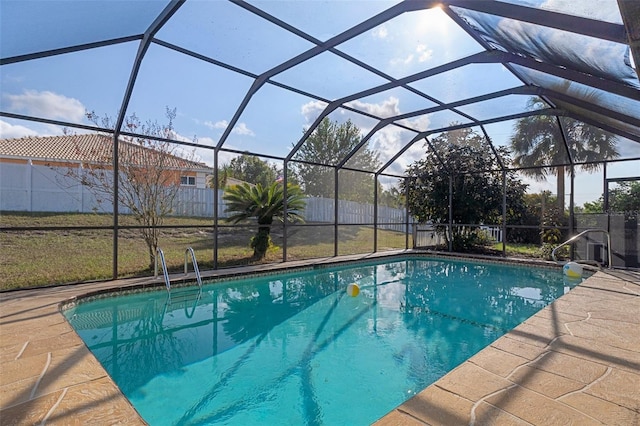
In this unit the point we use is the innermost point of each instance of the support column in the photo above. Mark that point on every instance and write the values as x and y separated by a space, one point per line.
504 213
335 213
216 188
450 213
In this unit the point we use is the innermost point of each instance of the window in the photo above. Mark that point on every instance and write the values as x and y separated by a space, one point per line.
188 180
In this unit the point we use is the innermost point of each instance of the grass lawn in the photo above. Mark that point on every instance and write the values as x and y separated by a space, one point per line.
45 257
519 250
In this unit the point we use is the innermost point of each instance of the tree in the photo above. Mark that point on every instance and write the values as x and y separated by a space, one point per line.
249 168
552 220
624 198
477 186
538 209
148 172
537 142
329 144
392 197
265 203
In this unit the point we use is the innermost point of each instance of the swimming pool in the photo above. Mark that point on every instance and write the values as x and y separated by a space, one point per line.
294 348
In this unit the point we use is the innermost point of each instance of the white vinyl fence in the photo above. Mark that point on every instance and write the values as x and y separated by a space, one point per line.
35 188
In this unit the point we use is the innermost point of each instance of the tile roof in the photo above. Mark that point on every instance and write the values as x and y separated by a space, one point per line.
88 148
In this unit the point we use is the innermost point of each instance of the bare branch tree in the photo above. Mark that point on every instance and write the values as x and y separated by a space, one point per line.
149 171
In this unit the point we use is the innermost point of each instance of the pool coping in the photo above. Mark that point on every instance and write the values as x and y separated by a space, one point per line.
576 360
226 275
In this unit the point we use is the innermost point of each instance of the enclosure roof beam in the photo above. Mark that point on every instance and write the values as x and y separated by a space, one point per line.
630 11
572 75
69 49
476 58
406 147
363 141
624 179
54 122
407 5
354 31
437 154
631 120
482 42
620 132
386 121
548 111
521 90
482 57
493 148
155 26
517 90
565 142
264 15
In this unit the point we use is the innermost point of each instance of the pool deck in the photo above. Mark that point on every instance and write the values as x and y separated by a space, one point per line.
575 362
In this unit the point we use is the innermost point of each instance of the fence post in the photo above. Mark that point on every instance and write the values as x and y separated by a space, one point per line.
29 185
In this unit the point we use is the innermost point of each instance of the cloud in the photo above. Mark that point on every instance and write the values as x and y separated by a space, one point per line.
424 54
311 110
222 124
205 141
9 131
402 61
420 123
380 32
420 54
47 105
239 129
387 108
242 129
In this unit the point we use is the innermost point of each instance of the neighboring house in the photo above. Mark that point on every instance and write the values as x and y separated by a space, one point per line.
33 172
96 150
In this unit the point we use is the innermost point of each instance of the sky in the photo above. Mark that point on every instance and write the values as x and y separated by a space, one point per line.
65 87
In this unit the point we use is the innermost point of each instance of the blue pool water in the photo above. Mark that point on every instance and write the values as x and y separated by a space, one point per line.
296 349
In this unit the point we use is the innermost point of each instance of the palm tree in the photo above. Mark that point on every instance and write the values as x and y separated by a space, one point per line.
537 142
265 203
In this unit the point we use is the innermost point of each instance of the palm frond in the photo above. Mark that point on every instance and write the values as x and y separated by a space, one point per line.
263 203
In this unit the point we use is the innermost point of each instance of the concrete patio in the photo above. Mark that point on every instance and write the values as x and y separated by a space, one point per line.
575 362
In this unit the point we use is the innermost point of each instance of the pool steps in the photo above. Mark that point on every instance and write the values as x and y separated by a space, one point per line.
188 251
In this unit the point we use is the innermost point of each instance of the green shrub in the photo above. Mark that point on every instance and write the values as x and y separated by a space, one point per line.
547 248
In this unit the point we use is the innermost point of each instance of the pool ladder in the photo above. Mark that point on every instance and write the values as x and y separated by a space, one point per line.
165 273
196 270
575 237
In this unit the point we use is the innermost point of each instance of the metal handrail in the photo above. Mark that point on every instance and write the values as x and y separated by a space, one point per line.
195 264
160 254
575 237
